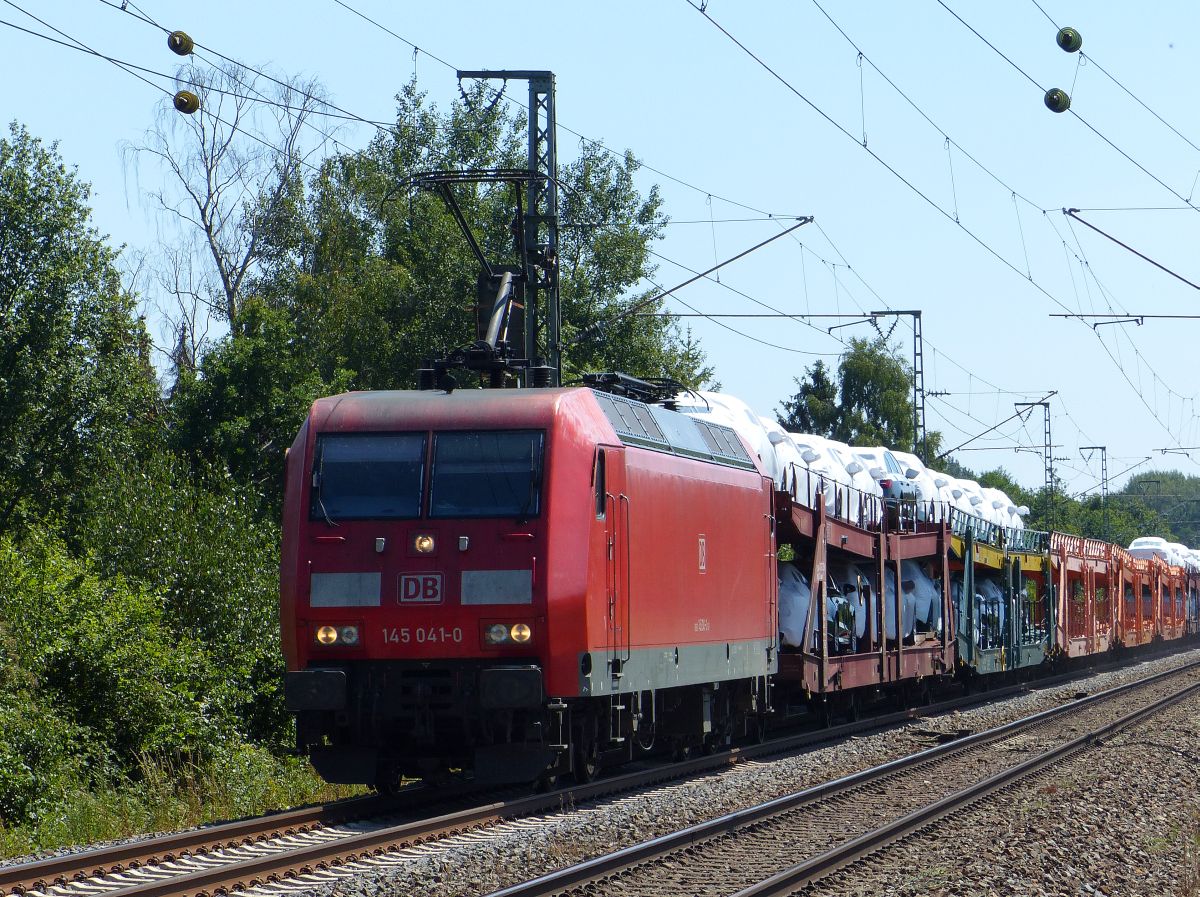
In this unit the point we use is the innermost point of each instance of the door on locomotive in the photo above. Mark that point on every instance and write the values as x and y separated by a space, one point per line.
612 504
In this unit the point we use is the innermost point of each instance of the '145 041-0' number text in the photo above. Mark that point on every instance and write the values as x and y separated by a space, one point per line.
421 635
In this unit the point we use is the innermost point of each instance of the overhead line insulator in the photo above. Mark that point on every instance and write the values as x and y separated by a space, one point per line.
180 43
186 102
1057 100
1069 39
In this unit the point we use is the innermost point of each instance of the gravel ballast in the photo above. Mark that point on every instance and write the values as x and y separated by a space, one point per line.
480 862
1120 818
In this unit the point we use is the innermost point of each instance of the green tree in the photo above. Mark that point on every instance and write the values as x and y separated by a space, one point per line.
74 358
1173 495
870 404
814 407
875 403
243 405
604 250
199 538
378 276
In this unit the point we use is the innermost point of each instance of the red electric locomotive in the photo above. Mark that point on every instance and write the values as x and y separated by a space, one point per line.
520 583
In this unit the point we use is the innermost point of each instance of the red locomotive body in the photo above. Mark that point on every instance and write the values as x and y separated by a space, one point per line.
519 583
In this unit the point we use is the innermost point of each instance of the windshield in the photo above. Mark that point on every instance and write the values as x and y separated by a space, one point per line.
486 473
368 475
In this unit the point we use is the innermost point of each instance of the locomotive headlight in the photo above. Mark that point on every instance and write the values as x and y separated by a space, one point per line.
423 543
496 634
327 635
348 635
520 633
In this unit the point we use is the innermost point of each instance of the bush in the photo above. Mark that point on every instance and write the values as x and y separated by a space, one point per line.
199 539
42 756
99 652
171 795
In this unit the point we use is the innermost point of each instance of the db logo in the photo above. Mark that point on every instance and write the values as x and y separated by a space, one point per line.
421 588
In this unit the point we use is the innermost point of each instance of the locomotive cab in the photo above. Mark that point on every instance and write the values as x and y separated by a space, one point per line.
419 623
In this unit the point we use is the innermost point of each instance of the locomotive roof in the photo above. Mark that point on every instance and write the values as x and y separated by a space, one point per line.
402 409
635 423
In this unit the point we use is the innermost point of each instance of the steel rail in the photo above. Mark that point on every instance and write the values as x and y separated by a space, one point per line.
805 873
40 875
609 864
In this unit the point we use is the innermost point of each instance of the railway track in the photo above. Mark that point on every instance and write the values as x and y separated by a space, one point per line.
782 845
318 843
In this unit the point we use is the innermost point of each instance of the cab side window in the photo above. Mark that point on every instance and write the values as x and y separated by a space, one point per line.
598 482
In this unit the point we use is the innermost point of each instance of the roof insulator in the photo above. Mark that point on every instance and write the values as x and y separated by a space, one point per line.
180 43
186 102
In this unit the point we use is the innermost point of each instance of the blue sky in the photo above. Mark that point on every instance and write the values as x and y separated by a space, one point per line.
730 142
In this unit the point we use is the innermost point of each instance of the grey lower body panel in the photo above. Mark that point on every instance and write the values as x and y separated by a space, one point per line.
646 669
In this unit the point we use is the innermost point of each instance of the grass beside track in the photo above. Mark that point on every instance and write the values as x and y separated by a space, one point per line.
169 797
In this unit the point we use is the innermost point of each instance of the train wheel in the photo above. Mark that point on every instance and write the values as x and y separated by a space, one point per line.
852 710
758 728
388 780
822 713
587 762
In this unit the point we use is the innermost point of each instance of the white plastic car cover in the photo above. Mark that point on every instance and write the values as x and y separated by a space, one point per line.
865 487
928 493
996 504
944 483
927 598
795 596
787 456
1148 547
1177 553
856 591
822 471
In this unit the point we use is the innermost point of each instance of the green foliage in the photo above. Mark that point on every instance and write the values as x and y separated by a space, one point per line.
201 541
42 754
814 407
250 395
875 407
1128 513
1173 495
870 404
140 669
166 796
74 368
101 652
377 275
